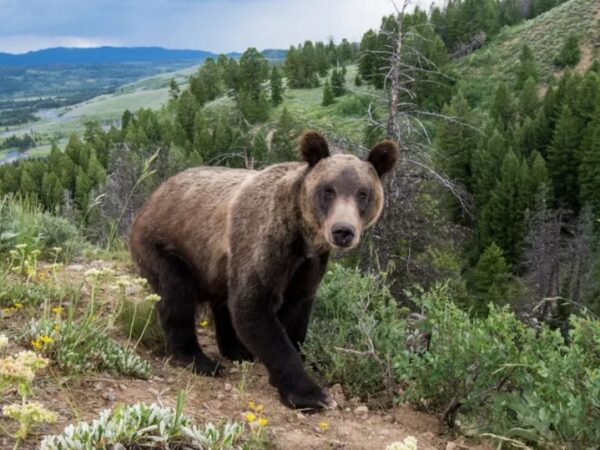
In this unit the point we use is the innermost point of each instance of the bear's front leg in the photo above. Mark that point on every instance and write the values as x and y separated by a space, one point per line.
261 332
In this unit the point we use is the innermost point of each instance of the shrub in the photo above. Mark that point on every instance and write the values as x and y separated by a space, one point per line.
146 426
22 221
353 105
570 53
506 378
355 332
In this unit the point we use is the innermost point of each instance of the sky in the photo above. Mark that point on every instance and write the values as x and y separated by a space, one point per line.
214 25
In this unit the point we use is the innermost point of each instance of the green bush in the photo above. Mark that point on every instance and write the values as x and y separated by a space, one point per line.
355 332
353 105
22 221
505 378
570 53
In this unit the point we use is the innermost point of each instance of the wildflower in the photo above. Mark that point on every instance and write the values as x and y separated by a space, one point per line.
92 273
323 426
36 344
56 328
251 405
250 417
254 407
140 281
46 340
409 443
58 310
18 305
203 323
31 359
56 250
154 298
263 422
27 414
21 246
8 311
3 341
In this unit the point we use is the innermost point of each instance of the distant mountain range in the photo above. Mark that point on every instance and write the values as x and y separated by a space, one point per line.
113 55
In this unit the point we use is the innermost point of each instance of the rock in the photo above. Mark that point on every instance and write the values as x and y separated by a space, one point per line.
337 393
361 410
122 387
154 392
388 418
451 446
220 396
109 396
227 387
300 416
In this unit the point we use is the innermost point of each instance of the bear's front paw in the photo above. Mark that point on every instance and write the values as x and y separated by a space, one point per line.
310 396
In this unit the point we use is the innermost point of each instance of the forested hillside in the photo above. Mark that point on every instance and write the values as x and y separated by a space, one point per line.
476 297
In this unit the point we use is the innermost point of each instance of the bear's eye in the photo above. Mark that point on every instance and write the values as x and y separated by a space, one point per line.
362 195
328 192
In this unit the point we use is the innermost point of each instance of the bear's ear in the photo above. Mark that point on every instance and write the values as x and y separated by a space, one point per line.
313 147
383 156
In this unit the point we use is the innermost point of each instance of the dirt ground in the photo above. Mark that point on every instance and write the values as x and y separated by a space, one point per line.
351 426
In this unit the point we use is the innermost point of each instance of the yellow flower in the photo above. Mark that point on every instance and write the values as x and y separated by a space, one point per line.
36 344
251 405
46 340
203 323
57 310
57 328
250 417
262 422
323 426
18 305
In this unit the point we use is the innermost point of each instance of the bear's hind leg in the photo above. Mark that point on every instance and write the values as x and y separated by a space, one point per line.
176 285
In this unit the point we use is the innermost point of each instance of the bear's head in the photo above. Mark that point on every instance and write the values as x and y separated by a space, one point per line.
342 195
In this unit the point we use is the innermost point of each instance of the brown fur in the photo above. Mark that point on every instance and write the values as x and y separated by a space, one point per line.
255 246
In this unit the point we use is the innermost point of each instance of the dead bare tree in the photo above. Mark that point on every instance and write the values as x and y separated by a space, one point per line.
399 234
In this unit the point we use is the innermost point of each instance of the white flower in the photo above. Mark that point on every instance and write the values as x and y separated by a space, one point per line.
409 443
3 341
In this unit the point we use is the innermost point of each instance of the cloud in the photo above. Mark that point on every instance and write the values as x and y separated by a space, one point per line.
217 25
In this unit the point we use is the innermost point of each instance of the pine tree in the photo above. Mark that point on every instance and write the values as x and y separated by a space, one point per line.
328 98
563 160
486 164
503 108
27 186
489 279
456 143
502 220
276 84
539 178
529 101
260 150
338 83
589 170
527 67
283 142
174 90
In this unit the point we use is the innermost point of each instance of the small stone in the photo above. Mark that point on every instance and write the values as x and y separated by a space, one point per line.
220 395
388 418
301 416
154 392
451 446
110 396
362 409
227 387
337 393
122 387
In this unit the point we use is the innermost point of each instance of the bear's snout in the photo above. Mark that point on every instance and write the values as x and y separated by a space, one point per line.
343 234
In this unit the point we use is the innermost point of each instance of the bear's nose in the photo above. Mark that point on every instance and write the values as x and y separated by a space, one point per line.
343 234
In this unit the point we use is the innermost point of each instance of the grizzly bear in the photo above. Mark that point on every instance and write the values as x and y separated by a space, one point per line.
254 245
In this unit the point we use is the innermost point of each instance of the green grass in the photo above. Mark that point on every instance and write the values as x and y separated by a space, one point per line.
545 34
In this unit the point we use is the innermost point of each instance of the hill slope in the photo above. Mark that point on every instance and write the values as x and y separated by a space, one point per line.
544 34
